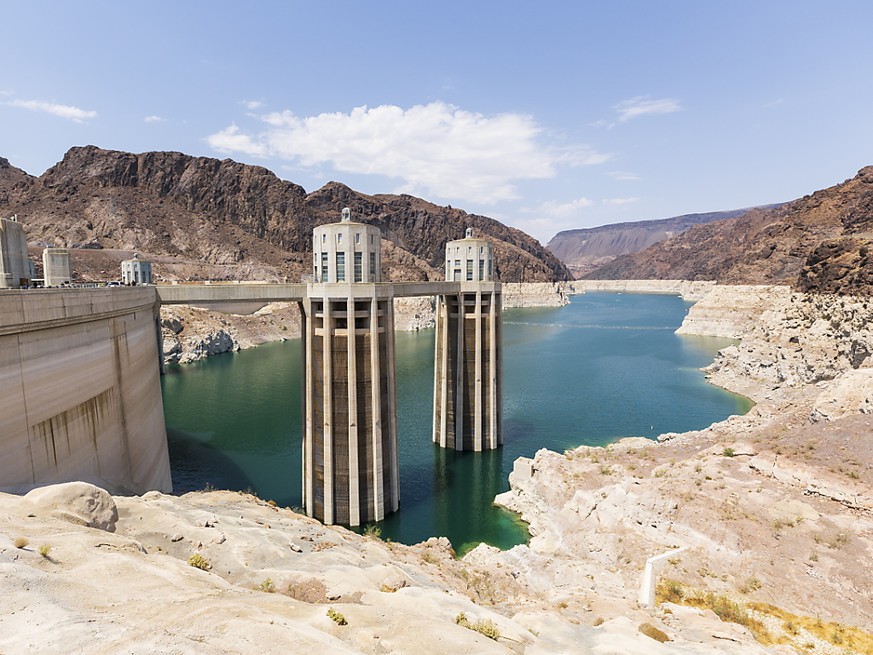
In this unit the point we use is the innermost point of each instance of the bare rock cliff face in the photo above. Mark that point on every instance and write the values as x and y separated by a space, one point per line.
819 243
800 339
202 218
586 249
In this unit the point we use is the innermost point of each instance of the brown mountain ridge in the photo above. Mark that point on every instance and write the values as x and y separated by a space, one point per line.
819 243
586 249
204 218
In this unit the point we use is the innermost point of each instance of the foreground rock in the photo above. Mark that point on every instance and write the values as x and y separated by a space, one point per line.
222 572
775 508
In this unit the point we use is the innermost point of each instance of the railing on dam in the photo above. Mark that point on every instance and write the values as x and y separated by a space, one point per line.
188 294
29 310
220 294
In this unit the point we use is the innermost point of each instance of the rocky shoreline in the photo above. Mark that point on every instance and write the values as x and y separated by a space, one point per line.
774 508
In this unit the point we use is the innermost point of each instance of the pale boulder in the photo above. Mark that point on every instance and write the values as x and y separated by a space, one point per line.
77 502
851 393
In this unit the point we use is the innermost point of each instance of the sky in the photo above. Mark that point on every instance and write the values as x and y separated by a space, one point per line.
545 115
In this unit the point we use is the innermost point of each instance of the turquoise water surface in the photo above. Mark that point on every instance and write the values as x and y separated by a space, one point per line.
603 367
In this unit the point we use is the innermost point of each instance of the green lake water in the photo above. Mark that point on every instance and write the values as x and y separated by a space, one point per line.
603 367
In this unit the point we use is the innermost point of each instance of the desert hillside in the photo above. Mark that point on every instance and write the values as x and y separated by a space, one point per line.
819 243
203 218
585 249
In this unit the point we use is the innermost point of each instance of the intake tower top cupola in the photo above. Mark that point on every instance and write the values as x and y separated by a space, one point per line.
469 259
347 251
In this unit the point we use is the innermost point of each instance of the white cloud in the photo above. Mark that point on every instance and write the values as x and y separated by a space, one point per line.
435 149
560 209
153 119
623 176
643 105
615 202
230 139
63 111
252 105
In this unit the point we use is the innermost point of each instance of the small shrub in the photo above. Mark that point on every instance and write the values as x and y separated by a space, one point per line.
372 531
267 586
670 591
336 617
44 550
20 542
727 609
750 585
598 621
484 627
654 633
838 540
728 452
322 545
430 557
199 562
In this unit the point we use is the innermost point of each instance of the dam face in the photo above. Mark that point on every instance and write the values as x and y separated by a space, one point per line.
80 397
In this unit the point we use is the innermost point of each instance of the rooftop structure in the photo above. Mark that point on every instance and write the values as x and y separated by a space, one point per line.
347 251
136 271
56 267
16 269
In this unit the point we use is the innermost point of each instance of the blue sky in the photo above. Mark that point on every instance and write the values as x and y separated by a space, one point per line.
545 115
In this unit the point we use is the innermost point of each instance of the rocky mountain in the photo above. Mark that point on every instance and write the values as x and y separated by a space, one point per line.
586 249
203 218
819 243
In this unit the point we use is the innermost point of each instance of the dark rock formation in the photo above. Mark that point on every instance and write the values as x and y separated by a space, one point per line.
819 243
199 217
584 250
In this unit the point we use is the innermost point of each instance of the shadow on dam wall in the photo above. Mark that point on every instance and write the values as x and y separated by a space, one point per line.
197 465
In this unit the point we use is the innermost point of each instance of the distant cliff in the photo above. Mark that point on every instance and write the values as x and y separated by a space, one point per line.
199 217
819 243
585 249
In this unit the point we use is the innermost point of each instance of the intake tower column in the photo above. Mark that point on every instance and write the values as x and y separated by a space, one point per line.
350 468
468 366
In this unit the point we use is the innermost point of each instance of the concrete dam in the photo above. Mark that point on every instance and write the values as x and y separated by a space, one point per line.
82 399
81 395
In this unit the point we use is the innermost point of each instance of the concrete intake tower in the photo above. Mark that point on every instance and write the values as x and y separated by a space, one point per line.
468 366
350 465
